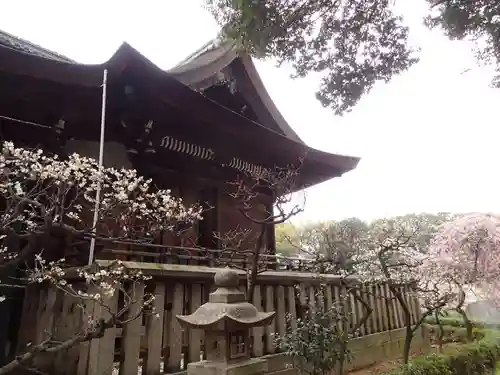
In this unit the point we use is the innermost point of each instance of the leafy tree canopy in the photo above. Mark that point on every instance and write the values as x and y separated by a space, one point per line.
352 43
478 21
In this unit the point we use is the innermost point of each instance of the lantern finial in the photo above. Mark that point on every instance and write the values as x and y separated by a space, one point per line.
226 278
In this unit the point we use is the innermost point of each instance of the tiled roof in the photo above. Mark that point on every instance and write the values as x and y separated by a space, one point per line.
23 57
214 57
208 54
200 66
22 45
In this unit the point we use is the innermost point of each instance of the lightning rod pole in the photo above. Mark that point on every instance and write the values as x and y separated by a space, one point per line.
101 157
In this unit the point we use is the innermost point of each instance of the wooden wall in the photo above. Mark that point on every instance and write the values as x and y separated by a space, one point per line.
231 219
188 247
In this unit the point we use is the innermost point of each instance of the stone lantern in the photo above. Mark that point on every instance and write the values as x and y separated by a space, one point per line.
226 319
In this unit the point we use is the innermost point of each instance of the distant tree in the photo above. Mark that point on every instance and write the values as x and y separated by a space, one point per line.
334 243
428 225
337 244
287 239
352 43
394 251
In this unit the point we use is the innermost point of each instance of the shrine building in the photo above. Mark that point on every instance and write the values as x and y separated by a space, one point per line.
191 128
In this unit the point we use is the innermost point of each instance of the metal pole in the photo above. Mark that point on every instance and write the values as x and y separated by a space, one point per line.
101 157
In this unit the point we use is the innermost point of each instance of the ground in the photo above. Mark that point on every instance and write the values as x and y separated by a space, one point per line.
377 369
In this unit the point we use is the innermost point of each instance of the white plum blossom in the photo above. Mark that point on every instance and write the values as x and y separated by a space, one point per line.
43 198
40 193
43 192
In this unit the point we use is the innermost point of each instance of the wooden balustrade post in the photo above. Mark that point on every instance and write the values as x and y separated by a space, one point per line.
154 331
132 333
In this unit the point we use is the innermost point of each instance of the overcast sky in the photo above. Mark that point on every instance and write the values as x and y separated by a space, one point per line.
428 140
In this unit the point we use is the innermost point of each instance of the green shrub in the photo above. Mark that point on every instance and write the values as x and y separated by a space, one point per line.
457 321
476 358
452 321
452 333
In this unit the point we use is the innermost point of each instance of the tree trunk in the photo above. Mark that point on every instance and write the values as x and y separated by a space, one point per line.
252 276
467 323
441 332
407 320
407 344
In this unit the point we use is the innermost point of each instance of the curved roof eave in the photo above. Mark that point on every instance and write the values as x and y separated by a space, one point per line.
211 59
91 76
26 46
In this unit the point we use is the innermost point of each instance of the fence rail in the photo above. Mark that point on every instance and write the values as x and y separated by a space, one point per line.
164 254
159 345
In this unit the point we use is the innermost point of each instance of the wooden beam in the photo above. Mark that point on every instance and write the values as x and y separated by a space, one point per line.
202 273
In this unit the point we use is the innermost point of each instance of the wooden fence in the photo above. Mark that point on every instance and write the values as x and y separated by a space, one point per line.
197 256
159 345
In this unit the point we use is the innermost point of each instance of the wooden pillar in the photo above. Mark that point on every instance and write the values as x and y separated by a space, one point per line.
195 335
27 327
257 332
176 333
385 304
280 310
155 331
271 328
105 346
132 334
340 304
373 316
328 296
45 325
292 306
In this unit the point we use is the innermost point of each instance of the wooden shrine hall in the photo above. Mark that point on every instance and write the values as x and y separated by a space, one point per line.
191 129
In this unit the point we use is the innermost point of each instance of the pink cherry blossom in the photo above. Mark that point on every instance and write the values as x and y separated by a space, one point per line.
467 249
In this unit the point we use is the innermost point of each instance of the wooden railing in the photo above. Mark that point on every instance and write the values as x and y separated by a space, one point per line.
206 257
159 345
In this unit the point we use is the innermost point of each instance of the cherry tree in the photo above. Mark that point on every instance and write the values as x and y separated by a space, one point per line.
467 251
396 255
47 204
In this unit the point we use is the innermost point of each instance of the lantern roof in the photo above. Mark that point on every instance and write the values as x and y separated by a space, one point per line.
226 305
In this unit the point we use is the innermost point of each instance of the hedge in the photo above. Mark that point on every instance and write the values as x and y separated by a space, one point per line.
478 358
